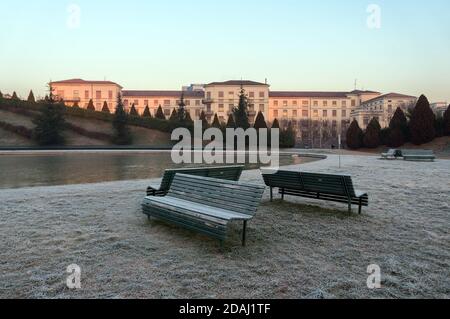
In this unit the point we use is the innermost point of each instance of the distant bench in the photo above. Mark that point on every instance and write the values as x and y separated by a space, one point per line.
232 173
418 155
206 205
335 188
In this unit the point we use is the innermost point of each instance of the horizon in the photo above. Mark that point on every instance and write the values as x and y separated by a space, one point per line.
296 46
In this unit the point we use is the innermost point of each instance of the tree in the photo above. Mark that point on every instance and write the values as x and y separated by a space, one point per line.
422 122
216 123
241 111
174 117
447 121
231 123
76 105
260 121
1 95
147 112
400 121
384 135
396 138
14 96
372 136
439 126
275 124
105 108
50 123
160 114
133 111
204 120
122 135
188 120
31 98
287 136
91 106
354 136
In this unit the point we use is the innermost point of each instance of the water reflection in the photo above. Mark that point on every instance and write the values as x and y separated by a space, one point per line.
18 171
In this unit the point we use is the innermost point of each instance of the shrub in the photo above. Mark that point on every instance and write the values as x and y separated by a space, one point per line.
91 106
216 122
354 136
422 122
260 121
105 108
396 138
231 123
31 98
50 124
400 121
160 114
205 123
384 136
15 97
17 129
122 134
372 134
287 137
147 113
174 116
439 126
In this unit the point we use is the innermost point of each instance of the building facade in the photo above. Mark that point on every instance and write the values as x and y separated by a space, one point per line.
439 108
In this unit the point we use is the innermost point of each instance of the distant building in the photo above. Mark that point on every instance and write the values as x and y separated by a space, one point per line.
439 108
383 108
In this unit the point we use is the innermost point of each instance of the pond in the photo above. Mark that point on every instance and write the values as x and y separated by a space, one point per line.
66 168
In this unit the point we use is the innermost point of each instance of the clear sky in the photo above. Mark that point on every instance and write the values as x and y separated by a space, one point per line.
296 45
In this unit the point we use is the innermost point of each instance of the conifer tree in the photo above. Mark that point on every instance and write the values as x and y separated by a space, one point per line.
447 122
216 123
188 120
122 134
241 111
174 117
14 96
31 98
147 113
260 121
372 134
204 120
354 136
181 113
76 105
133 111
105 108
231 123
1 95
400 121
422 122
91 106
160 114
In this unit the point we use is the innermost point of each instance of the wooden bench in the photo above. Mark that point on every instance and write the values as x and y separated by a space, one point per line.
392 154
206 205
418 155
232 173
336 188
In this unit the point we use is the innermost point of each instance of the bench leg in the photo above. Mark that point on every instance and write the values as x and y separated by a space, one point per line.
360 206
282 194
271 194
244 234
350 207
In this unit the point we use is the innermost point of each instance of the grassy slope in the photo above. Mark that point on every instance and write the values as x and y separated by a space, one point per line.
142 136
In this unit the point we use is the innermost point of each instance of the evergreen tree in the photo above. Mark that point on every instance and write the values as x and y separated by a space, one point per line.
354 136
188 120
76 105
160 114
275 124
1 95
174 117
14 96
122 134
384 136
447 122
105 108
31 98
241 111
50 123
91 106
422 122
147 113
204 120
216 123
260 121
396 138
400 121
133 111
287 136
231 123
372 134
439 126
181 113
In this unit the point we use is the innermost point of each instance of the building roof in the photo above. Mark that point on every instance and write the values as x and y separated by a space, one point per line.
237 83
81 81
306 94
392 96
364 92
156 93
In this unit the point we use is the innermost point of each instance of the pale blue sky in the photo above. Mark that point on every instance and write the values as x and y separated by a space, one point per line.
297 45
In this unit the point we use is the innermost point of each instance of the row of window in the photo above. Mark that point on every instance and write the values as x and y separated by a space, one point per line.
156 103
251 108
87 94
314 103
305 113
251 95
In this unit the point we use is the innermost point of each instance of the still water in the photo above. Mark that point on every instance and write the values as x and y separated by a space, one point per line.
17 171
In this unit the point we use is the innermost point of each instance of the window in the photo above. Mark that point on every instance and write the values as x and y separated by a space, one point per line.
197 102
316 103
125 102
221 94
110 95
208 95
155 102
167 112
344 113
285 103
262 95
136 102
334 103
305 103
344 103
325 103
167 102
353 102
294 113
146 102
188 102
275 113
316 113
231 93
275 103
98 95
86 94
325 113
251 95
334 113
261 108
76 94
305 113
294 103
285 113
221 107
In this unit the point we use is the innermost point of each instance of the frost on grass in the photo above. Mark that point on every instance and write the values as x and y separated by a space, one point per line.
296 249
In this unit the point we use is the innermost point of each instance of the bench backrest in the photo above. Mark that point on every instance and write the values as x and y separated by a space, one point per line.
233 196
417 153
232 173
311 182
